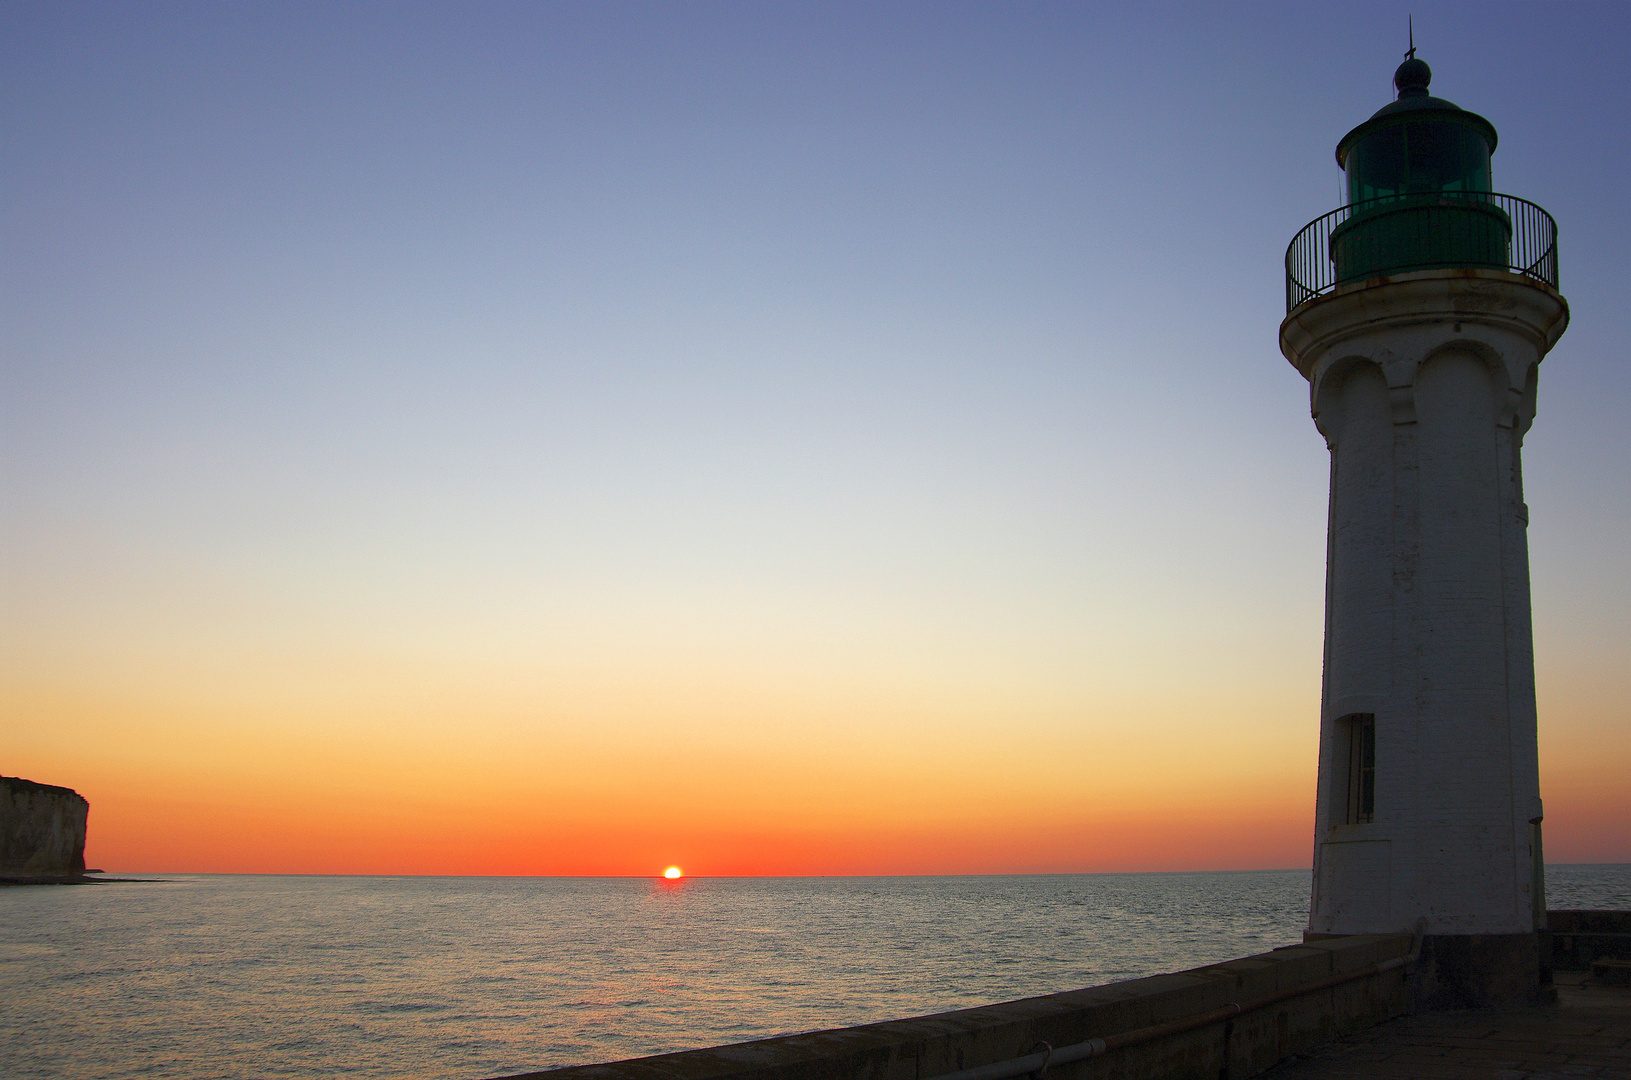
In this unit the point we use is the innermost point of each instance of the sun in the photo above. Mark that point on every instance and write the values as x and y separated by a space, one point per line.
672 873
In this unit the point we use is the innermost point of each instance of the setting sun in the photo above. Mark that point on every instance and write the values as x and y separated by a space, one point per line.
671 873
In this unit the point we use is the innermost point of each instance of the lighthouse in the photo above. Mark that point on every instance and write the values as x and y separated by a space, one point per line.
1419 313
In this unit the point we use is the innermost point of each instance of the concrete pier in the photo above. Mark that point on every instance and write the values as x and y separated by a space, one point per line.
1587 1033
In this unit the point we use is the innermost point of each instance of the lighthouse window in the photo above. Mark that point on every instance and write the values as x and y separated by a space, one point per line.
1361 732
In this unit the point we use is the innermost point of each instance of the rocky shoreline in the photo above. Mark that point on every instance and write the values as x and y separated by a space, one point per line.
67 879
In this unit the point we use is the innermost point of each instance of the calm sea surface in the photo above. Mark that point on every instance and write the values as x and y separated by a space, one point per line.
228 976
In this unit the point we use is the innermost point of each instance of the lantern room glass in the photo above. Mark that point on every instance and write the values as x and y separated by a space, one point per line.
1418 157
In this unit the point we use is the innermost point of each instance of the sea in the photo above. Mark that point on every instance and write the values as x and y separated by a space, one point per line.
206 976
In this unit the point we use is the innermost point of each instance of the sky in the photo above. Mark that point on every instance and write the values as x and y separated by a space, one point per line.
764 438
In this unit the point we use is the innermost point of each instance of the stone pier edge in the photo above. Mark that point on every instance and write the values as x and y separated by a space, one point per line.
926 1047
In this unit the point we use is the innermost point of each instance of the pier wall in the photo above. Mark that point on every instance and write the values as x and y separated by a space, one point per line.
1578 938
1288 1002
42 829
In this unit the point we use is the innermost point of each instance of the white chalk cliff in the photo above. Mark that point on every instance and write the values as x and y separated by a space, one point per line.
42 829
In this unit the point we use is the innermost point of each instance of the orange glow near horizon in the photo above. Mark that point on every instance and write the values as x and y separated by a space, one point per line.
951 788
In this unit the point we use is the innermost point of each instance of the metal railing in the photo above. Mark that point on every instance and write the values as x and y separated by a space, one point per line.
1397 234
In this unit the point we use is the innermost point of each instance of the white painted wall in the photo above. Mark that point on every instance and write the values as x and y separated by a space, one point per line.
1423 386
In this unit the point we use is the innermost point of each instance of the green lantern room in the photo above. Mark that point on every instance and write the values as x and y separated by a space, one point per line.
1418 185
1419 197
1419 145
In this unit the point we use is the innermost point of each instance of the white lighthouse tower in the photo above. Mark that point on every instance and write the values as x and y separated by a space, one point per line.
1419 313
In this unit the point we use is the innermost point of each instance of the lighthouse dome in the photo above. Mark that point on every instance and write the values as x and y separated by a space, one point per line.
1417 145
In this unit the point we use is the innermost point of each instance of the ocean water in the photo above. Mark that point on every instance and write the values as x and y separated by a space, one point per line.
226 976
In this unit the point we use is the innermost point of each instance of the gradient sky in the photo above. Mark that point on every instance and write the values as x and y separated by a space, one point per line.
579 438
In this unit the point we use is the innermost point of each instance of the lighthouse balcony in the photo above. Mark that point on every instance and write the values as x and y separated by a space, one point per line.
1398 234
